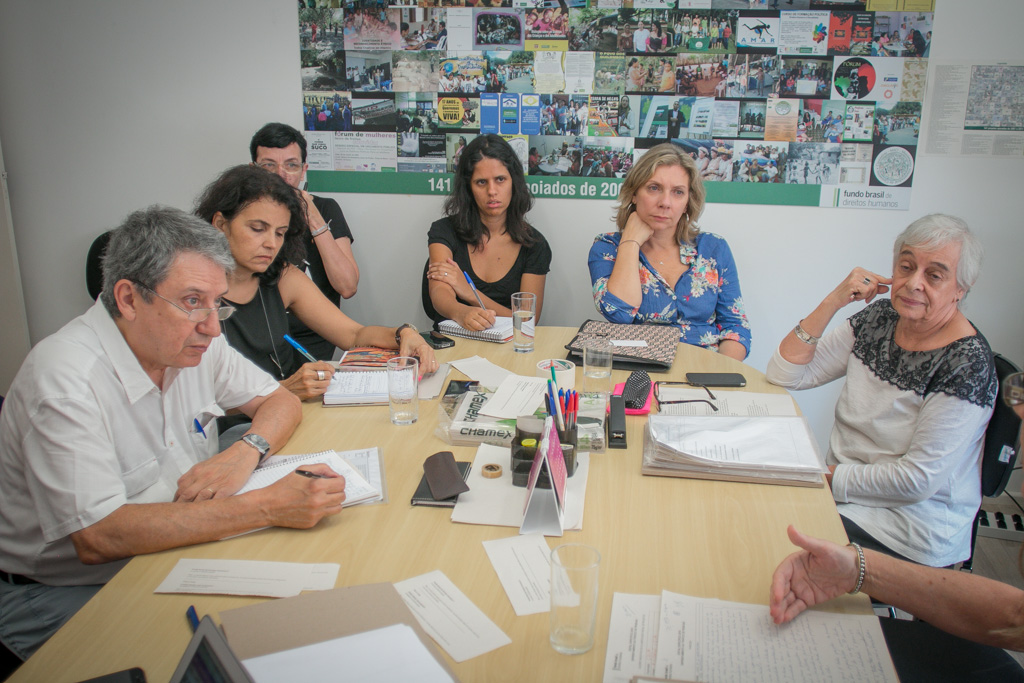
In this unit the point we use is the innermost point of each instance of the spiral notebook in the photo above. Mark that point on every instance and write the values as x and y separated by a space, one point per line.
500 331
357 387
357 489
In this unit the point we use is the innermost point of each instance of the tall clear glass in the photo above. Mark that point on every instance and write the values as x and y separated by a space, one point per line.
573 597
403 390
597 367
524 314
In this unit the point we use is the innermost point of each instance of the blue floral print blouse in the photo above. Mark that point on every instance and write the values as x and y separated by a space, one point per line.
706 303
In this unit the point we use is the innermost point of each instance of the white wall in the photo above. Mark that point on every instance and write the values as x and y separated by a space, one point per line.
14 338
109 105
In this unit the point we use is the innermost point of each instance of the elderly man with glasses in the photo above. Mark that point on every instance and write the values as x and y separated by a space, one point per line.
108 440
329 261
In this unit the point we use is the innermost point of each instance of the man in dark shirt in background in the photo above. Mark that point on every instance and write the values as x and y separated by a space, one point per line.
329 262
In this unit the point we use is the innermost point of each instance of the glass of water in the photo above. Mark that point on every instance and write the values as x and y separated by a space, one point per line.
574 569
597 367
403 390
524 314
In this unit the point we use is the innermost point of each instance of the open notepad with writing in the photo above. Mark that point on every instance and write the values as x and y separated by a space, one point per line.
357 489
357 388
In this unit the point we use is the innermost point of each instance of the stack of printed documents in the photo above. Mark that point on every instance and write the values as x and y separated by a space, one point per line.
766 450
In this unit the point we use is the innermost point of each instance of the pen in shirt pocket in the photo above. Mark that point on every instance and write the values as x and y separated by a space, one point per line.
199 427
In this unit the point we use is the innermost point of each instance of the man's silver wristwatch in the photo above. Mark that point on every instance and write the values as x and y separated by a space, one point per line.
260 444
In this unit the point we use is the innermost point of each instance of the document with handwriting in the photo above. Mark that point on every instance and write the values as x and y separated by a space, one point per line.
703 639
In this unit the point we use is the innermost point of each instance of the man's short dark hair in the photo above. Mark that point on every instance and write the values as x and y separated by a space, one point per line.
277 136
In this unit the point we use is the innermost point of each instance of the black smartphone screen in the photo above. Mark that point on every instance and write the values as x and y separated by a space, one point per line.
437 340
716 379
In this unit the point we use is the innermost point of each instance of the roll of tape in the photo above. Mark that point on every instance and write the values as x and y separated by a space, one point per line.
491 471
565 372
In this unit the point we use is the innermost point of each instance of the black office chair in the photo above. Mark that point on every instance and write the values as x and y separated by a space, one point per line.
428 305
94 265
1002 442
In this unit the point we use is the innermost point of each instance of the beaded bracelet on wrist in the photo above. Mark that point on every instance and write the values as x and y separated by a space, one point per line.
861 568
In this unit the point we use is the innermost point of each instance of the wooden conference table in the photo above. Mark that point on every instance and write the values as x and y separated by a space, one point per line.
702 538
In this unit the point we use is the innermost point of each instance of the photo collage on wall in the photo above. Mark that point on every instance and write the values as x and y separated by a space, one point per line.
805 92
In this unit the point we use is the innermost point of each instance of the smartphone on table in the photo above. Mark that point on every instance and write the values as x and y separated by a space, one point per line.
437 340
716 379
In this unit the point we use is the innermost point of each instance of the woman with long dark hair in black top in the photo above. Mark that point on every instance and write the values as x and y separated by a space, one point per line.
485 234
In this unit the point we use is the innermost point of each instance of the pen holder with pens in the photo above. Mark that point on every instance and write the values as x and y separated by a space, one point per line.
569 440
529 431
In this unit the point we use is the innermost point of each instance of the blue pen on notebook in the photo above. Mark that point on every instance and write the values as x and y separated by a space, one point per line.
475 293
193 618
298 347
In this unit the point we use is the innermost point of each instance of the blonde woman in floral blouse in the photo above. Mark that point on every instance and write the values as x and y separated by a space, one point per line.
660 268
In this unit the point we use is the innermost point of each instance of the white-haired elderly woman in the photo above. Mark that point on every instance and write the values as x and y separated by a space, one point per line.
920 386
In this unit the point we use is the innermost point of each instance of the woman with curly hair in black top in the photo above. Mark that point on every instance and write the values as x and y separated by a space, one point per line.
264 218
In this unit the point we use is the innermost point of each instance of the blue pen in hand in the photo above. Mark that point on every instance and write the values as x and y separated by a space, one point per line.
475 293
298 347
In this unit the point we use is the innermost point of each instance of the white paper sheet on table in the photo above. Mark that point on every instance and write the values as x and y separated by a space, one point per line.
498 503
729 403
451 618
632 637
431 385
248 577
516 395
481 370
392 653
523 565
716 640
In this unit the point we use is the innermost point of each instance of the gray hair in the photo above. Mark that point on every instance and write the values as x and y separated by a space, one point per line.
935 231
143 248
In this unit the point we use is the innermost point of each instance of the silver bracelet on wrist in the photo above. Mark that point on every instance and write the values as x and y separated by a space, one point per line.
861 568
321 230
804 336
637 243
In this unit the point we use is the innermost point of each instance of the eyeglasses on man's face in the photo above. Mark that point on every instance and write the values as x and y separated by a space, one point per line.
195 315
289 167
